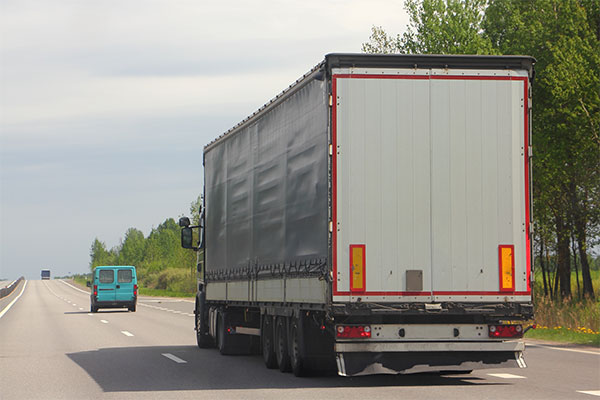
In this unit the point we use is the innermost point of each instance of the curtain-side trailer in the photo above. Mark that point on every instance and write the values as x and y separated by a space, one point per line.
374 216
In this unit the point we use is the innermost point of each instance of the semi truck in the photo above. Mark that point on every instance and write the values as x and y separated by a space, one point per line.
45 274
374 217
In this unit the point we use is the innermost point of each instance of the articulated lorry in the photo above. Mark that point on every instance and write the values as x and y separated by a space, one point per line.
374 217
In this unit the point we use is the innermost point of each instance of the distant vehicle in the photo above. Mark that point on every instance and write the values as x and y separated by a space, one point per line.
113 287
375 215
45 274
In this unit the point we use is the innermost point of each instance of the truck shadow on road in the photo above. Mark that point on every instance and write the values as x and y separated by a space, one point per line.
124 369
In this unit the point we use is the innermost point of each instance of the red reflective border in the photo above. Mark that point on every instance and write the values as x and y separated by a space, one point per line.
334 79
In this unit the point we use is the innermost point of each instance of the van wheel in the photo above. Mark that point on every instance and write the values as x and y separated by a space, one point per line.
266 336
281 344
93 309
132 308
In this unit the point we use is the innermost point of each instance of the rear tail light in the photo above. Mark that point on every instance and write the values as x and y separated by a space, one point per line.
135 289
505 331
353 331
95 290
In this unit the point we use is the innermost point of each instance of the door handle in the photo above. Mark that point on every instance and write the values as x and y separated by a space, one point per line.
118 286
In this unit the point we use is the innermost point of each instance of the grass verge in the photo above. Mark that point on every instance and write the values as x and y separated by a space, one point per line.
164 293
565 335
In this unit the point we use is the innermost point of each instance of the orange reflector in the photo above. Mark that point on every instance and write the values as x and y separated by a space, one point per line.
506 258
357 268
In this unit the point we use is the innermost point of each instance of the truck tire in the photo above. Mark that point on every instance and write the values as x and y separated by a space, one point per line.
297 357
266 337
281 344
221 334
202 338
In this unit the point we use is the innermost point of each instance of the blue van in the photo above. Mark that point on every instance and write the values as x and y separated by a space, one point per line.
113 287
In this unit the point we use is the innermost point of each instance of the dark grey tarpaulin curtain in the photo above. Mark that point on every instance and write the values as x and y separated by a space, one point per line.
266 186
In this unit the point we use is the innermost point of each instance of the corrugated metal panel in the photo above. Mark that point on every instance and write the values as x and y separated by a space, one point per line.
430 177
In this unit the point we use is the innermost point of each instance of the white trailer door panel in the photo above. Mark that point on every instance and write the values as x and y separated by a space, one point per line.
430 187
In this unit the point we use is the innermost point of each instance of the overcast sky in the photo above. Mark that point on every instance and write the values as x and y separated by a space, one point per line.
105 107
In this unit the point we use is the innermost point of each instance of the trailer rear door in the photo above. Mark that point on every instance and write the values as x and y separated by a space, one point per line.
430 185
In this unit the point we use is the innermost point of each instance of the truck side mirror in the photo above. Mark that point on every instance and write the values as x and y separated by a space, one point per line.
88 284
184 222
187 237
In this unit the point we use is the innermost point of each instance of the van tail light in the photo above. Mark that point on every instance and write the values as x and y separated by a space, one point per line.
135 289
353 331
505 331
95 290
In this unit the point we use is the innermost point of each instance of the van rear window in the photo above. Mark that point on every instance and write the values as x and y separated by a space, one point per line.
124 276
106 276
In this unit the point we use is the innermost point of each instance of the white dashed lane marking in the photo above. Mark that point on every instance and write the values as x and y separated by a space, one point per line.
104 321
596 353
174 358
507 376
166 309
127 333
592 392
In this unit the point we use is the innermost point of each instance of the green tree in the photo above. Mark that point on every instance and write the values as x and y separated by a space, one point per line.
436 27
99 255
133 248
563 35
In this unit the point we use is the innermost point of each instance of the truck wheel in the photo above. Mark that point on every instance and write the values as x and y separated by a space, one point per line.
266 336
281 345
204 341
221 345
297 360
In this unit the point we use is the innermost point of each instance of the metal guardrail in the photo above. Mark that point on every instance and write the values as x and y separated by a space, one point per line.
9 289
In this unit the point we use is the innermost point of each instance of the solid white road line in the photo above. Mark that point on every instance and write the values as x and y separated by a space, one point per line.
174 358
104 321
597 353
12 302
592 392
126 333
76 288
507 376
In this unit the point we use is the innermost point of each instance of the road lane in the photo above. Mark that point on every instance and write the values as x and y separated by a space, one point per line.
49 348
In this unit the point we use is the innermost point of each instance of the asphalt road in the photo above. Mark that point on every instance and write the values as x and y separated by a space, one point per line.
51 347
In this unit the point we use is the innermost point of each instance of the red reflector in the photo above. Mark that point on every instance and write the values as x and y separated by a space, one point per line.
353 331
505 331
135 287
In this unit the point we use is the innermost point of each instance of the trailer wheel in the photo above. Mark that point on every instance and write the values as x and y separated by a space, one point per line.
266 336
281 345
297 359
